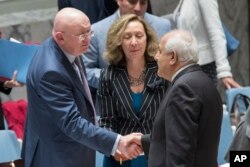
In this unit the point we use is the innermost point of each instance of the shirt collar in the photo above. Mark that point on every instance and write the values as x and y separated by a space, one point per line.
181 69
70 57
119 14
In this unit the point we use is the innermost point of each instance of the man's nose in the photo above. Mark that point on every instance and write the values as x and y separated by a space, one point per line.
138 6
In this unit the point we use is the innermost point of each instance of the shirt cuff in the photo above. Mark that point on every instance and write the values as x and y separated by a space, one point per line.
115 145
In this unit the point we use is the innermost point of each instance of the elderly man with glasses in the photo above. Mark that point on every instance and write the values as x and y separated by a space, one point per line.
61 127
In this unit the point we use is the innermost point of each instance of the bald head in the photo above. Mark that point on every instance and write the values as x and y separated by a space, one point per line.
69 19
69 25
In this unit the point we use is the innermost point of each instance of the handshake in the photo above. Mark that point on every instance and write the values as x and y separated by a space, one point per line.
129 147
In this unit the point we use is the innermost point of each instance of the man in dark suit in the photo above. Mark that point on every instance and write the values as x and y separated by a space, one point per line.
60 126
110 6
187 127
94 9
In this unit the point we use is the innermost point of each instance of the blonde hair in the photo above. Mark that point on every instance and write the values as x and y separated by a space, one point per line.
114 53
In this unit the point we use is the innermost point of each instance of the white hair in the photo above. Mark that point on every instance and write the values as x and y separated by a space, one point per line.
184 44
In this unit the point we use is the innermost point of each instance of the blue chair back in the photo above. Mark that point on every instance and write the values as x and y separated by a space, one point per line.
226 137
231 93
99 159
9 146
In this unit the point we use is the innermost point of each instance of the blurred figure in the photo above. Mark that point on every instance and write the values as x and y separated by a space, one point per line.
5 87
186 129
203 20
130 90
111 6
94 9
60 126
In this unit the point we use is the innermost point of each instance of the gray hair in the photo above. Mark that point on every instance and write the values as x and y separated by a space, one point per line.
184 44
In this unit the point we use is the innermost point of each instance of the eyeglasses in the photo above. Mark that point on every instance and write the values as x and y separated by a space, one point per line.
84 36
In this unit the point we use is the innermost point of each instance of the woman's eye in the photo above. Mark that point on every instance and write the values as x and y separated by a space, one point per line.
126 36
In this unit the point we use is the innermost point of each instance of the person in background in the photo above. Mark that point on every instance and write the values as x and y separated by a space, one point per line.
61 127
203 20
5 87
93 58
191 111
130 90
94 9
111 6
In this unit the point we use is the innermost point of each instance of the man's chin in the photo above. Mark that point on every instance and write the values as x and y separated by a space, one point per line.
84 50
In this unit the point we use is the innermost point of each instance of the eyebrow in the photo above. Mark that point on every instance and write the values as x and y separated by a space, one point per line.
135 1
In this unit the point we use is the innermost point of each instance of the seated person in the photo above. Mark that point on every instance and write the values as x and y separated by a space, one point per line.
5 87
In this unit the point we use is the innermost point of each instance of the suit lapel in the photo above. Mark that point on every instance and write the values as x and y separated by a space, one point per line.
147 99
177 10
191 68
146 17
73 74
122 91
150 85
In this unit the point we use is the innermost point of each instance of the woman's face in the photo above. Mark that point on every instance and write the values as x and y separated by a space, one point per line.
134 41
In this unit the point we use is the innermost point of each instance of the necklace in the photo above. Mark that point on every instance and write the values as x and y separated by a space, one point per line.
136 81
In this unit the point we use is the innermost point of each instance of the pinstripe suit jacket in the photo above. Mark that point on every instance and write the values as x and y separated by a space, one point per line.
117 113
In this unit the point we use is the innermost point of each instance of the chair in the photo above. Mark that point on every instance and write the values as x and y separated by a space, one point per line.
9 146
99 159
231 93
226 137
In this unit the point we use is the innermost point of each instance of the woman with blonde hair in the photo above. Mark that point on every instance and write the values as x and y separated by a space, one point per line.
130 90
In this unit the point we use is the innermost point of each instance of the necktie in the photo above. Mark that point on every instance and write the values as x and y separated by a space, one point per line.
79 69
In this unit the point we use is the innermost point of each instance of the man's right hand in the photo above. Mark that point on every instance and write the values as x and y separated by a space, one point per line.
129 147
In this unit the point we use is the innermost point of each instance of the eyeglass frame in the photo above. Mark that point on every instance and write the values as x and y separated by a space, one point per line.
83 36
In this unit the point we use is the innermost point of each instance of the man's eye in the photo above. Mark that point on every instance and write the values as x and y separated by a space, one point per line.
143 2
132 1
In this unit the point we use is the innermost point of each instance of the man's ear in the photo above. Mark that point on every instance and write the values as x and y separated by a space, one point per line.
59 37
174 58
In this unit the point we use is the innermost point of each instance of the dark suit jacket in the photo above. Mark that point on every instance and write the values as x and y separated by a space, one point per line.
94 9
187 126
117 112
111 6
59 129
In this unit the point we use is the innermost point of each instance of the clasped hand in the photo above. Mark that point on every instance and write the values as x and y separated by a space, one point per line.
129 147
